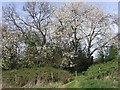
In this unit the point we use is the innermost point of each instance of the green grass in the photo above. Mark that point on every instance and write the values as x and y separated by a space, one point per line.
102 70
97 76
92 84
98 84
30 77
104 75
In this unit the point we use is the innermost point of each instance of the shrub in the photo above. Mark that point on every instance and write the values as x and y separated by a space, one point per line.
21 77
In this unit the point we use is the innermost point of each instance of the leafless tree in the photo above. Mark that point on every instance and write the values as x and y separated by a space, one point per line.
36 18
86 24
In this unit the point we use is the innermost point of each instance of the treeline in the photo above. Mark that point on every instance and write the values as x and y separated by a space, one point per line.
65 36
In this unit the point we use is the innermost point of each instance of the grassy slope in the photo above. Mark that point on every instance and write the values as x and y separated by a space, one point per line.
97 76
35 77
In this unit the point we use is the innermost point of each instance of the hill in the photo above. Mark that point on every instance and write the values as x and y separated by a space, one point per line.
103 75
35 77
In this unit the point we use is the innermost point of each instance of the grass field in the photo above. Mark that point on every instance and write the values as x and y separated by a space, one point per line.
103 75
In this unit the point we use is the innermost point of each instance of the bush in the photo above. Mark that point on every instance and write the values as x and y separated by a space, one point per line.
113 53
21 77
110 54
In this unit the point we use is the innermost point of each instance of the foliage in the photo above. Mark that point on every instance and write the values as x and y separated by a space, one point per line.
9 50
33 76
101 57
110 54
51 56
80 62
